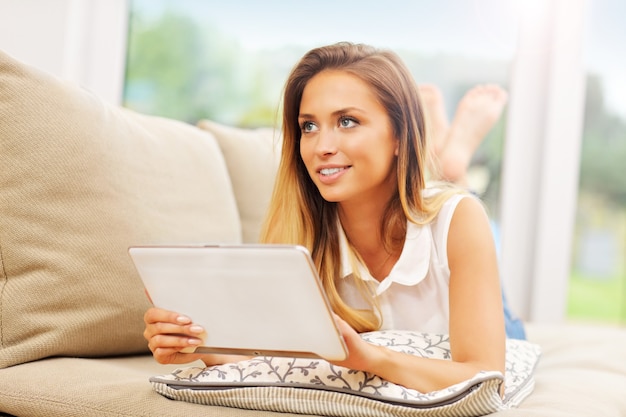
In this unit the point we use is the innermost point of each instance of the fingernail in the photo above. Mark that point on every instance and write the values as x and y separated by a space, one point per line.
196 329
194 341
183 319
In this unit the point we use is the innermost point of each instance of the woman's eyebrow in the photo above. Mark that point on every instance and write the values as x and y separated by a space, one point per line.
335 113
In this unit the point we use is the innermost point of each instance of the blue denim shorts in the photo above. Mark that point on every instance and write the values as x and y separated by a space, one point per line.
513 325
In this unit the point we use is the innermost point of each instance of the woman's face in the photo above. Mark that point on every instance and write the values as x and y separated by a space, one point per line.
347 143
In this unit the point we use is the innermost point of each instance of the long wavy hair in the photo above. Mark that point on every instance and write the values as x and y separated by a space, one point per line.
299 215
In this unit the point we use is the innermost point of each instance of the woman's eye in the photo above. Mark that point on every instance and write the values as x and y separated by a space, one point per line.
347 122
307 127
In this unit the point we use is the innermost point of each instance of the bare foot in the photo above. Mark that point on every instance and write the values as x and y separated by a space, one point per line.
437 124
477 112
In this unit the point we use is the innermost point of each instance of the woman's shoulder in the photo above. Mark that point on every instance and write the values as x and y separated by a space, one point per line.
442 198
467 212
445 203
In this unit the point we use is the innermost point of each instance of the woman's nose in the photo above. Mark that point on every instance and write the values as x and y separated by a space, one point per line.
327 142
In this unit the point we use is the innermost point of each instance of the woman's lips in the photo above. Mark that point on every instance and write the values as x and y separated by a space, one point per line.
330 175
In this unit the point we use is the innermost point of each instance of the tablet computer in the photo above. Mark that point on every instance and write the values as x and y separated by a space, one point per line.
252 299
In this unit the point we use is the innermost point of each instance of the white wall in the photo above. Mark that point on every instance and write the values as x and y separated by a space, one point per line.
80 40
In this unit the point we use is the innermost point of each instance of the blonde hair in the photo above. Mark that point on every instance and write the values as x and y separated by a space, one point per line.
299 215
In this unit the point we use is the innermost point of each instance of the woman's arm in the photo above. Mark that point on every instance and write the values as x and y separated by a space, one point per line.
477 338
169 333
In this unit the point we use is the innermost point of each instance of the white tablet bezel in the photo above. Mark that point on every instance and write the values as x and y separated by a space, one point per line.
252 299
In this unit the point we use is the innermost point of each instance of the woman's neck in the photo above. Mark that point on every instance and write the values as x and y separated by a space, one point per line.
362 227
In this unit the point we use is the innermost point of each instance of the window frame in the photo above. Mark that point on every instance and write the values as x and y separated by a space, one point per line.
541 160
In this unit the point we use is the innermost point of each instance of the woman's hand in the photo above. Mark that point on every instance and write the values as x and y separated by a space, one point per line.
361 354
169 334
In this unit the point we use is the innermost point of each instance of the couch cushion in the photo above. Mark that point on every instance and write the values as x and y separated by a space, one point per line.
581 373
252 157
81 181
62 387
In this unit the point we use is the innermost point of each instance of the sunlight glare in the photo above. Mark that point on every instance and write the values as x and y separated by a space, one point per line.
530 9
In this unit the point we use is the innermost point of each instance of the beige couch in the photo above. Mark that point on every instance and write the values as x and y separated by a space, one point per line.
82 180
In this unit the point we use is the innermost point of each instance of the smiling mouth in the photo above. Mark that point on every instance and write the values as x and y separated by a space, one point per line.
330 171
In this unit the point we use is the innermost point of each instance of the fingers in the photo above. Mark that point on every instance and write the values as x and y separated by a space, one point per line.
343 326
159 321
155 315
191 331
168 348
168 334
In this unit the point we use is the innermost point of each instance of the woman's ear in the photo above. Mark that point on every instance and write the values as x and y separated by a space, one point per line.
395 152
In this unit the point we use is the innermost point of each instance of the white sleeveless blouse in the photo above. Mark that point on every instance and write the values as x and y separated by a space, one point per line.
414 296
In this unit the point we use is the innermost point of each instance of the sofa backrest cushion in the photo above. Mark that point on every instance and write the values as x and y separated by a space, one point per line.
81 181
252 157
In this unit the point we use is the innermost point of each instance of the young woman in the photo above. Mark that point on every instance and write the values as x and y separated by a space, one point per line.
391 253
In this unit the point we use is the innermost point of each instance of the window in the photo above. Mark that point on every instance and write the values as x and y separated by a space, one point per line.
597 287
227 61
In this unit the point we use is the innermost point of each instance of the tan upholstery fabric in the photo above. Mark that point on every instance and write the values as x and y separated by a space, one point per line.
252 157
80 181
64 387
581 373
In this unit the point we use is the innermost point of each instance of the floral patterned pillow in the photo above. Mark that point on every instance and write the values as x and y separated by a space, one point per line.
314 386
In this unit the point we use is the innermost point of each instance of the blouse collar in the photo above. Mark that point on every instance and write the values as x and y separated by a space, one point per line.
412 266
